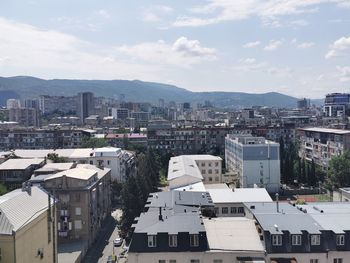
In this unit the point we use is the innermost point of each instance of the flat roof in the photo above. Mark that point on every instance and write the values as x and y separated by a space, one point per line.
326 130
232 234
20 164
76 173
203 157
56 166
196 187
239 195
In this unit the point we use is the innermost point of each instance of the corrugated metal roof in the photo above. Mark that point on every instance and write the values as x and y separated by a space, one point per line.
18 208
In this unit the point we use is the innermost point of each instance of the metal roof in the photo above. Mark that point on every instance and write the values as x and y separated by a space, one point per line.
326 130
18 208
239 195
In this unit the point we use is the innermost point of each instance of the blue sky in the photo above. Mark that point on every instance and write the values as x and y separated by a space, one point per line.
300 48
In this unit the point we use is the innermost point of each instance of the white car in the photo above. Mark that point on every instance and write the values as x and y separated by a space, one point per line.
118 242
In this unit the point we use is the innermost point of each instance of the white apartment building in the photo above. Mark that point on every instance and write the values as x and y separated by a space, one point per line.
255 160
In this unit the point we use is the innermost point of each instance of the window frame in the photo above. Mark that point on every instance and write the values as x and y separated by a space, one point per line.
315 240
194 240
340 240
296 238
278 238
151 240
172 240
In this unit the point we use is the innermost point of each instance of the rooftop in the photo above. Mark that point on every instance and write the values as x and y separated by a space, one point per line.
20 164
239 195
232 234
18 208
203 157
326 130
76 173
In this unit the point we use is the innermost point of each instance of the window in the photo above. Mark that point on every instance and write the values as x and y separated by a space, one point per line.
202 164
315 240
216 164
233 210
77 211
217 261
194 240
77 224
203 171
314 260
216 210
277 240
172 261
240 210
162 261
216 179
296 240
216 171
209 164
152 241
340 240
172 240
210 179
77 197
210 171
91 162
338 260
108 162
224 210
195 261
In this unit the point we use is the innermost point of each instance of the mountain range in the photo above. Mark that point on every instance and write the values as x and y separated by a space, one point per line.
135 90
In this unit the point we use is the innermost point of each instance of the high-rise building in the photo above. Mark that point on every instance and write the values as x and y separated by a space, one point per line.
337 105
85 105
13 104
31 103
27 117
255 160
303 104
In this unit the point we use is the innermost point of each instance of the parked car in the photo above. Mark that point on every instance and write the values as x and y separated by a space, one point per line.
118 242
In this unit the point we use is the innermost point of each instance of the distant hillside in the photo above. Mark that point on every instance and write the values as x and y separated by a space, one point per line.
139 91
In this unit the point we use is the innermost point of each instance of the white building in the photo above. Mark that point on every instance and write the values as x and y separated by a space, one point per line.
120 162
189 169
255 160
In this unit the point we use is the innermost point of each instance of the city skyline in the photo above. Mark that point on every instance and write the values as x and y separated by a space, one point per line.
250 46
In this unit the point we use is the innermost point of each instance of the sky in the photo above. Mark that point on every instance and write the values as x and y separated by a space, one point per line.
296 47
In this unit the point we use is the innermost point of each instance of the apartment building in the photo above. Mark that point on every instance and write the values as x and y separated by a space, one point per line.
27 226
311 233
337 105
255 160
321 144
41 138
121 162
120 139
14 172
173 230
50 104
84 201
26 117
189 169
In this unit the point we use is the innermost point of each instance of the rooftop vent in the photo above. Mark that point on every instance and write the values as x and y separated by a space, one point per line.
276 227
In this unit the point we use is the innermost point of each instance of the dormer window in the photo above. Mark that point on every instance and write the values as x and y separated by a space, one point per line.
296 240
340 240
277 240
152 241
172 240
194 240
315 240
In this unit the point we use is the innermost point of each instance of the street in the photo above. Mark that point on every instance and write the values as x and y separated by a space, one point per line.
103 248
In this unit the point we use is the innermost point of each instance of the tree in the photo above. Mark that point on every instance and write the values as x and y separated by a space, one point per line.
56 159
3 189
92 142
339 170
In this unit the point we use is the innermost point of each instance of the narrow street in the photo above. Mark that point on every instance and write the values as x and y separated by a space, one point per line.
103 248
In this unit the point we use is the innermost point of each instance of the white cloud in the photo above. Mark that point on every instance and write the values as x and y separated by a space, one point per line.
298 23
339 48
306 45
156 13
252 44
183 52
273 45
46 53
344 73
217 11
103 13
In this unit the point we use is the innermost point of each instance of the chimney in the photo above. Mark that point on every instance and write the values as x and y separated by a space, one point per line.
160 214
277 203
27 187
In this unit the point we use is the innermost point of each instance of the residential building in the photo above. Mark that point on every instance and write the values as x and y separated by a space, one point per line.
119 113
121 139
27 226
85 201
255 160
27 117
49 104
189 169
14 172
303 104
85 105
121 162
13 103
321 144
307 233
174 229
41 138
230 202
337 105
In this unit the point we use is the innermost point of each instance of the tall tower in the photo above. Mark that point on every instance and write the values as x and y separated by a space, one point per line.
85 105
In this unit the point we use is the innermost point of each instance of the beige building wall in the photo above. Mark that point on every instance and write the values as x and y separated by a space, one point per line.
28 241
210 170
